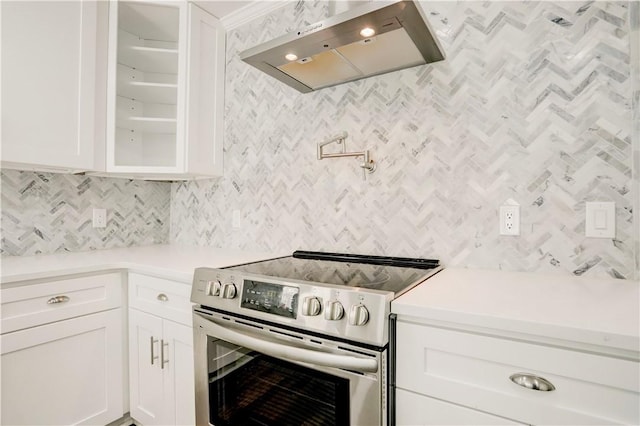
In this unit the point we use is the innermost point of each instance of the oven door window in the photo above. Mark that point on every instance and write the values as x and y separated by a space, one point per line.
249 388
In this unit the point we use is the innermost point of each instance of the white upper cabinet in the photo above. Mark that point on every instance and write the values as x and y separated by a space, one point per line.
205 94
48 84
165 90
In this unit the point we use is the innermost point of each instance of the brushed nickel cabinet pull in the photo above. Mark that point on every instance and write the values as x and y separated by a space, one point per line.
153 356
531 381
58 299
163 360
163 297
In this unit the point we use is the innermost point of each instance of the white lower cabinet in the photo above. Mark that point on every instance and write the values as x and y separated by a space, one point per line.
160 353
69 371
447 375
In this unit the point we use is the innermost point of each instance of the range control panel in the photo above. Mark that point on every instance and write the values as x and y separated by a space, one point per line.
350 313
275 299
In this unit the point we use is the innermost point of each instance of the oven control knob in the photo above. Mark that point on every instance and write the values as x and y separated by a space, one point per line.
311 306
358 315
228 291
333 311
212 288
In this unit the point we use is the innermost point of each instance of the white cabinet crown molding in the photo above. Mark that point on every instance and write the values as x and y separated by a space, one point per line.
250 12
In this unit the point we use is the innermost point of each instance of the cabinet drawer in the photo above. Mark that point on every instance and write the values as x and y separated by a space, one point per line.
473 370
164 298
413 409
29 305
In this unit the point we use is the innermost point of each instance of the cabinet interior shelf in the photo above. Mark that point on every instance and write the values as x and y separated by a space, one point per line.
154 119
153 92
147 87
150 124
153 85
147 55
147 60
154 50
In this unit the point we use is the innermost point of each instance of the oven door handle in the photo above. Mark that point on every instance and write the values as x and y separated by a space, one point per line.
293 353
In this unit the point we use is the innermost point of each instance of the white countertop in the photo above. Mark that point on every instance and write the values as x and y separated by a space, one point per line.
603 312
170 261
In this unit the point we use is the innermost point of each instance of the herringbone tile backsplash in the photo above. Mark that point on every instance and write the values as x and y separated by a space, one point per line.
533 103
50 213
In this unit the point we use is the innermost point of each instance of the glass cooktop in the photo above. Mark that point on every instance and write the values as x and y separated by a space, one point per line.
377 273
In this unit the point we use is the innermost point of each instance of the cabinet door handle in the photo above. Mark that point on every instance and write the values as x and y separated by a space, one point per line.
163 297
58 299
163 360
153 342
531 381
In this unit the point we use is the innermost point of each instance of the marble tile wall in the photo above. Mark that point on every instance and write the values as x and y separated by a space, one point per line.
50 213
533 103
635 74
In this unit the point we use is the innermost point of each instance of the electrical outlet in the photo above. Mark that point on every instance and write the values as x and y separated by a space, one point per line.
99 218
510 220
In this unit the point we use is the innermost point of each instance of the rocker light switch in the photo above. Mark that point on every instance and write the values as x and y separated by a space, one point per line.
601 219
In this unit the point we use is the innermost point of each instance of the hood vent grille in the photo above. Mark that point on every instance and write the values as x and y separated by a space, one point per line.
335 51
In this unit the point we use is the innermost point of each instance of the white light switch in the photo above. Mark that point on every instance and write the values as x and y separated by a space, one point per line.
601 219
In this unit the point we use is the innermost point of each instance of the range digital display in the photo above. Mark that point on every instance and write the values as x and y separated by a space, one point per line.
272 298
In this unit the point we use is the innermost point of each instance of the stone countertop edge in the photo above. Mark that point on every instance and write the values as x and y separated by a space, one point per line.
175 262
600 312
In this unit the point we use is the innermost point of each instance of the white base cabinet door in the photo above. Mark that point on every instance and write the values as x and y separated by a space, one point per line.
145 377
64 373
180 388
161 370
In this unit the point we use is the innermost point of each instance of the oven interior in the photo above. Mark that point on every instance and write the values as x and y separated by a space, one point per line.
250 388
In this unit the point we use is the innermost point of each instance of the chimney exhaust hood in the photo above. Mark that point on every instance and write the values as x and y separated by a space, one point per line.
375 38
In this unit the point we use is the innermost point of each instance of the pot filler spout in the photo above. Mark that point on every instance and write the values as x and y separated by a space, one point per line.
374 38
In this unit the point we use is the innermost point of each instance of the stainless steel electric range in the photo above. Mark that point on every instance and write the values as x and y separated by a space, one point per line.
299 340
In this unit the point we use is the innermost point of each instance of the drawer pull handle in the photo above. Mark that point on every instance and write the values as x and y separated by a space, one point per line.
530 381
58 299
163 297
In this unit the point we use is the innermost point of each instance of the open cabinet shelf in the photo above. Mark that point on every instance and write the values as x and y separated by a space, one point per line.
147 92
159 88
147 55
146 116
165 94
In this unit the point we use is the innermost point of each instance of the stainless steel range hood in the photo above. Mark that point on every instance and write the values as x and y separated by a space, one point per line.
337 50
